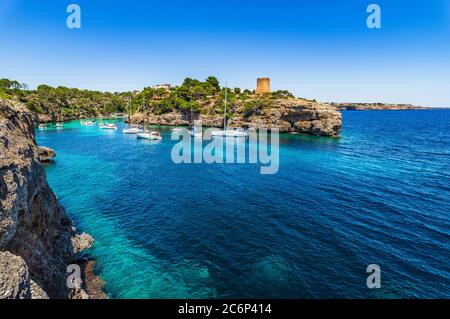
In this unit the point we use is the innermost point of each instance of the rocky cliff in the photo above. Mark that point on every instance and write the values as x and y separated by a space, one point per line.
37 238
288 115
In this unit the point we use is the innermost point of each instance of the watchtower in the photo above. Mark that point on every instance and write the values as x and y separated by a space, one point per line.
263 86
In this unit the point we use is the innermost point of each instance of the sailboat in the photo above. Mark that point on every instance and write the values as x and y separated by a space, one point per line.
228 132
132 129
194 132
147 135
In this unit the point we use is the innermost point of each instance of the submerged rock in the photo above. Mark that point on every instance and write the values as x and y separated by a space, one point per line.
36 235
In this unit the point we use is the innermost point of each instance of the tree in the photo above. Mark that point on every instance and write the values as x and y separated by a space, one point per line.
10 85
214 83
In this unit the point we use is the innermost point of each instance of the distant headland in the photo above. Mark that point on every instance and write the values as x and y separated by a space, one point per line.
376 106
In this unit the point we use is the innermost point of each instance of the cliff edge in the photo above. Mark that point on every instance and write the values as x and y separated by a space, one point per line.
37 238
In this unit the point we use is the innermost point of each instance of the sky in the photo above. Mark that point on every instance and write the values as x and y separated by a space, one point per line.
317 49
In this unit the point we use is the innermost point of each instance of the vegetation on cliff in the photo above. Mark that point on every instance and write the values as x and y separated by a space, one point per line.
193 99
205 97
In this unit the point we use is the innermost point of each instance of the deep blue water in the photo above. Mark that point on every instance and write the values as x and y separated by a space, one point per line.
378 195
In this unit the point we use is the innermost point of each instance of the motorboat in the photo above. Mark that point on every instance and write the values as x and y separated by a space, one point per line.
42 127
154 136
59 125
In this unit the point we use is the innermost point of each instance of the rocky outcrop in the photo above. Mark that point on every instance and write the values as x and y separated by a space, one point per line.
37 238
288 115
46 155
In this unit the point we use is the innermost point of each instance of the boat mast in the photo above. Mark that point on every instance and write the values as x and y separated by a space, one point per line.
225 111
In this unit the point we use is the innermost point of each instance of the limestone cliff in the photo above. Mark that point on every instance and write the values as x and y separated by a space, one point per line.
288 115
37 238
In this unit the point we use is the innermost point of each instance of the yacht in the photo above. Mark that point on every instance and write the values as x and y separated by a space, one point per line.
108 126
87 123
178 129
228 132
154 136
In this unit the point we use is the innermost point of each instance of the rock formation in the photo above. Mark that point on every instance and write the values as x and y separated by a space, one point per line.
288 115
46 154
37 238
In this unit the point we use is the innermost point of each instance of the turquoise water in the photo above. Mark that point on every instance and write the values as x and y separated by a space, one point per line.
378 195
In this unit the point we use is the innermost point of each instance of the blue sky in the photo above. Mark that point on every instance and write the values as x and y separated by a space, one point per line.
318 49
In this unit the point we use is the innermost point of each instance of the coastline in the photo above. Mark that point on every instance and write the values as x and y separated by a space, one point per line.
36 234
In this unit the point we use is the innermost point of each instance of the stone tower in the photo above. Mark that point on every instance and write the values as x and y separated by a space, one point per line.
263 86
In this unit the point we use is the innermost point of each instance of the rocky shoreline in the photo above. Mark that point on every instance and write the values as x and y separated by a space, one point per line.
288 115
37 238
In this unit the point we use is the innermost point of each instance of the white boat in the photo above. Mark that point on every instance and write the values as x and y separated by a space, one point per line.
228 132
132 130
59 125
108 126
42 127
87 123
154 136
178 129
196 134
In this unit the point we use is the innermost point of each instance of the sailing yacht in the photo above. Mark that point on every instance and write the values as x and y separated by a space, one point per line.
195 133
147 135
228 132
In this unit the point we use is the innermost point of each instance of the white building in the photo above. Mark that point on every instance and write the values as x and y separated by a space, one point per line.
166 87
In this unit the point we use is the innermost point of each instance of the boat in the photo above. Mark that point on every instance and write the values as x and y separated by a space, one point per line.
87 123
228 132
132 130
195 133
178 129
59 125
108 126
154 136
42 127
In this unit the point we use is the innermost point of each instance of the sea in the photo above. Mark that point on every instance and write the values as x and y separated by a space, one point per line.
378 195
